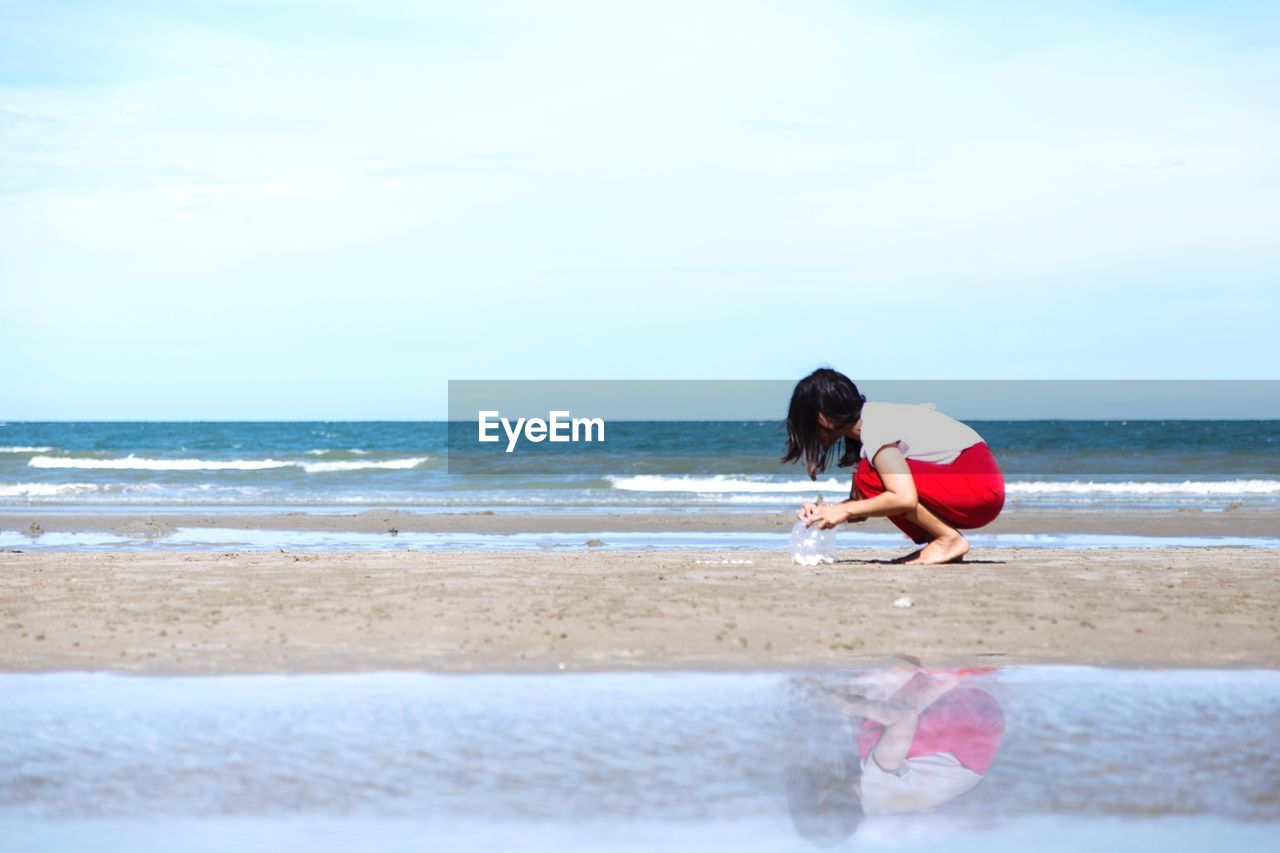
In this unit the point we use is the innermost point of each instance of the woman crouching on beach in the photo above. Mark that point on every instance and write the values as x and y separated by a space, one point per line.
929 474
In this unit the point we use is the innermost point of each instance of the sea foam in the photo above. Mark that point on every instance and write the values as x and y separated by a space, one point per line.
142 463
721 484
394 464
44 490
1187 487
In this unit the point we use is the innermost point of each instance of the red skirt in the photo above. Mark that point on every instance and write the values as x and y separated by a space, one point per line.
967 493
965 721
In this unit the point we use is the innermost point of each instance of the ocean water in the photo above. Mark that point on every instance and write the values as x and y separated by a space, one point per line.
1078 757
642 465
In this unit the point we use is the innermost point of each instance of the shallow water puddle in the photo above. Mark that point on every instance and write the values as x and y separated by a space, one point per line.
219 538
1055 757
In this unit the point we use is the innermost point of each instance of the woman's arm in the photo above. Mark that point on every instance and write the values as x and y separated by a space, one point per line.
899 720
925 688
899 714
899 495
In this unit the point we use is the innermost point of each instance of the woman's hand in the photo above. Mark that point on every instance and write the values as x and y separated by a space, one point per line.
825 516
837 698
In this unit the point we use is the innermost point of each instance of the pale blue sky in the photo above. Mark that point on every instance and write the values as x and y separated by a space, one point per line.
326 210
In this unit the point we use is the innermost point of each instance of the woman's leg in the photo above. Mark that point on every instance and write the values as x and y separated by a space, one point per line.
946 543
943 542
867 484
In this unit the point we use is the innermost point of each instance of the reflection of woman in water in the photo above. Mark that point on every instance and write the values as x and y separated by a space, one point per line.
928 743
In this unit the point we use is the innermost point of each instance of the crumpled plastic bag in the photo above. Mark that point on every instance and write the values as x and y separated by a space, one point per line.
811 546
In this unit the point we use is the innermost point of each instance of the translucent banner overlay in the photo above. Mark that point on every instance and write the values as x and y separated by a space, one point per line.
713 437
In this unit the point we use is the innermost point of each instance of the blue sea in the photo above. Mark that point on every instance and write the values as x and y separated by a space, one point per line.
692 465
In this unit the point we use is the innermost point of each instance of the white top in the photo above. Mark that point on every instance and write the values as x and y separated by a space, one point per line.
920 431
921 783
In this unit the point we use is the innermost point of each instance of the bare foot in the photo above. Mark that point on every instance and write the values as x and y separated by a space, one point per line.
907 558
944 549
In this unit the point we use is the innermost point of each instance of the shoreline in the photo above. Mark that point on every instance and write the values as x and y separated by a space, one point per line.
470 611
1186 522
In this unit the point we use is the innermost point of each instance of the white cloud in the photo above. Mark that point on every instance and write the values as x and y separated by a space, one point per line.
710 157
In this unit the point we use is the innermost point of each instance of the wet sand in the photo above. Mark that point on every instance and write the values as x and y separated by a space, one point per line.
589 610
1188 522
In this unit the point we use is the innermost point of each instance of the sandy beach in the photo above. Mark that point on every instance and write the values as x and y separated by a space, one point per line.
592 610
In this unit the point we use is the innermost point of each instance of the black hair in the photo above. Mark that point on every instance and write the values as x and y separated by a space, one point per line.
821 801
831 393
